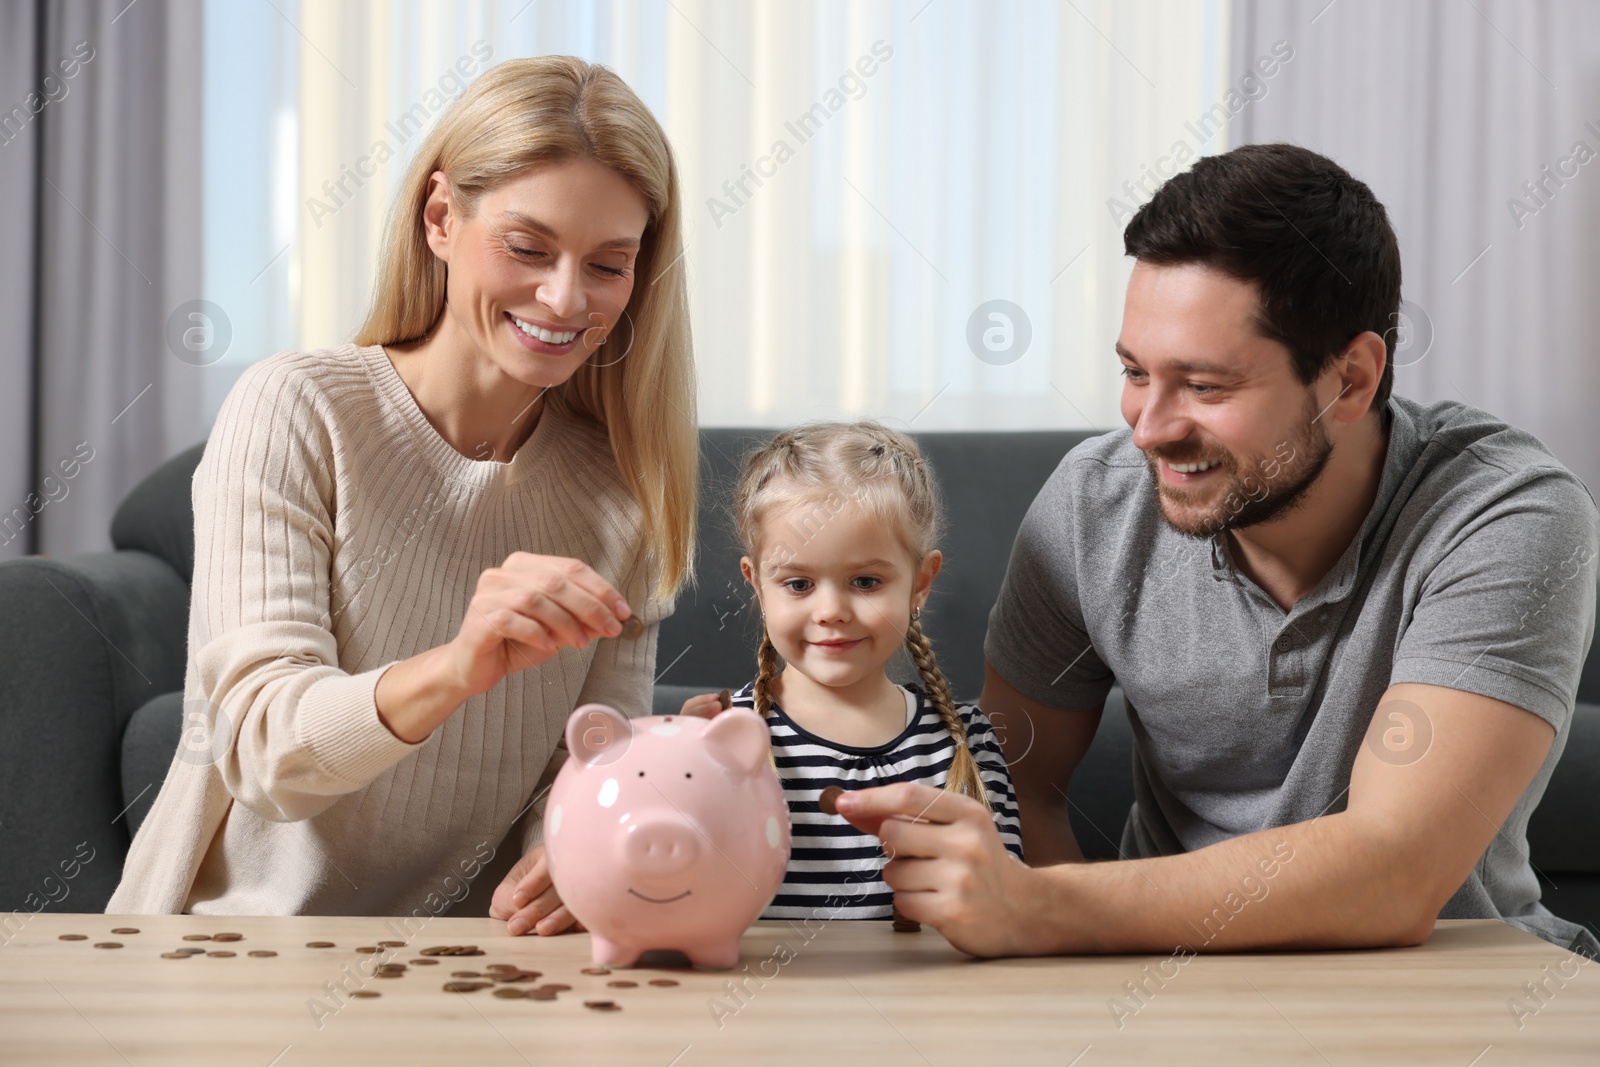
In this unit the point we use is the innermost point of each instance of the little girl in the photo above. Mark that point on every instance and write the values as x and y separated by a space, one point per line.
838 524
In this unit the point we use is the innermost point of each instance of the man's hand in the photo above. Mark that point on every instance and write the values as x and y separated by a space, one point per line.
527 899
704 706
947 865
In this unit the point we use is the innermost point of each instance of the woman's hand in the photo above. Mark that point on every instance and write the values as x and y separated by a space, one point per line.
527 899
525 611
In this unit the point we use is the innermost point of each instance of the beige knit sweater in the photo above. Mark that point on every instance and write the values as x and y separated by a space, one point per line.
337 533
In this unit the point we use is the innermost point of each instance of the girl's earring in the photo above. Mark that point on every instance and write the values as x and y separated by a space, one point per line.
916 613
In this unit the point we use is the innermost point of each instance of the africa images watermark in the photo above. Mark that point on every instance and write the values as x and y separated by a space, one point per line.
52 90
1251 88
851 85
1542 188
1142 991
354 176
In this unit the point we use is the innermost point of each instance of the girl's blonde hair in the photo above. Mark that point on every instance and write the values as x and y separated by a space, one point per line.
822 468
526 113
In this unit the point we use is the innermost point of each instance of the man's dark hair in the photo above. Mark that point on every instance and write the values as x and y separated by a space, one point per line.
1313 238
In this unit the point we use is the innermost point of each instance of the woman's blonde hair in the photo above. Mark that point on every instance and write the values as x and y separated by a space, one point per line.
530 112
825 467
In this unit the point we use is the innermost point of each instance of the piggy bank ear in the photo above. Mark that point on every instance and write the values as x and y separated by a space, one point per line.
597 734
738 740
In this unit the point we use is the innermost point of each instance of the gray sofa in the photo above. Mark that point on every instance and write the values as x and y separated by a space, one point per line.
92 660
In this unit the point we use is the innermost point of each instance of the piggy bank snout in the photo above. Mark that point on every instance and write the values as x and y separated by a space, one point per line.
660 848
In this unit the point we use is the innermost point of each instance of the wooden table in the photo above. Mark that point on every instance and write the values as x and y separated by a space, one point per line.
838 993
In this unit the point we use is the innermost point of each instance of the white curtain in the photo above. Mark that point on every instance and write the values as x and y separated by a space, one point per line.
934 157
1452 111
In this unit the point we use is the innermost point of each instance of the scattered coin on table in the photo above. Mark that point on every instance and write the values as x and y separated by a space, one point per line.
425 961
73 937
126 930
602 1005
509 993
596 970
554 987
108 944
263 952
221 954
540 994
197 937
465 987
319 944
465 974
663 981
623 983
176 955
391 944
366 994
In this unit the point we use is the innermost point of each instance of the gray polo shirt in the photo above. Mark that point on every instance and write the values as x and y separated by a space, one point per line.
1474 570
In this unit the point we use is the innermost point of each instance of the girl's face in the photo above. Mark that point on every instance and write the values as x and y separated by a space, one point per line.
837 590
540 274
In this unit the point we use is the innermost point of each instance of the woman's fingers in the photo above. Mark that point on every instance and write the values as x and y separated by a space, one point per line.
557 921
570 592
529 916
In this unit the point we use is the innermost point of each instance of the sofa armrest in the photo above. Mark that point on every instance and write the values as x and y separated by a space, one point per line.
84 641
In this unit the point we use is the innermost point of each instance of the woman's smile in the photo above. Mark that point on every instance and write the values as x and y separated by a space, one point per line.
540 337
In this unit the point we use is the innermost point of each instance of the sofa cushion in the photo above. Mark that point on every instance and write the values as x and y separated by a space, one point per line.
158 516
148 743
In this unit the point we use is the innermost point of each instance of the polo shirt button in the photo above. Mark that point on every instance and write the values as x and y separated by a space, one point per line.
1282 644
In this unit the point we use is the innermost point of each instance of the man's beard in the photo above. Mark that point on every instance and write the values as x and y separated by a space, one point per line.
1257 491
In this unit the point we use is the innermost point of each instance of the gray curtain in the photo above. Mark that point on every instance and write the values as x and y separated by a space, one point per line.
1451 111
100 166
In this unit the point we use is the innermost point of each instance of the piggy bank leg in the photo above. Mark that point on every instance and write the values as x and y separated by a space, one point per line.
610 954
717 956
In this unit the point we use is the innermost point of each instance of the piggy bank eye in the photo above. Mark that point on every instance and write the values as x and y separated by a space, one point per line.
686 774
641 774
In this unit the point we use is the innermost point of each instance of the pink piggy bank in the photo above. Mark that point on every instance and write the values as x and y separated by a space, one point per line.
666 832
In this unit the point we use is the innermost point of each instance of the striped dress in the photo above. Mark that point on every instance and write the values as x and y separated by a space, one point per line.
836 871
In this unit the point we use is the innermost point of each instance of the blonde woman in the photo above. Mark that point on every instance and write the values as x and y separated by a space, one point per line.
414 554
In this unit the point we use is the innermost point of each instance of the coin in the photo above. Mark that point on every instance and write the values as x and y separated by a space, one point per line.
826 802
663 981
367 950
509 993
540 994
623 983
596 970
426 962
632 628
191 951
197 937
366 994
221 954
263 952
601 1005
725 698
392 944
176 955
126 930
501 967
108 944
73 937
227 937
555 987
464 987
319 944
465 974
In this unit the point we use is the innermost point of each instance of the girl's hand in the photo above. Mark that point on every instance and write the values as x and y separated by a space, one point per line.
706 705
527 899
525 611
